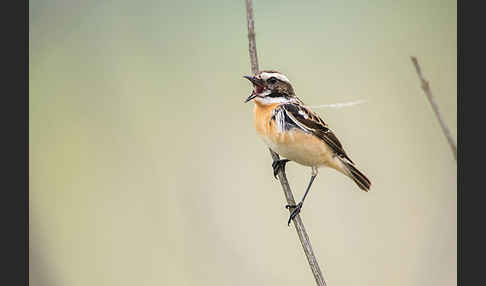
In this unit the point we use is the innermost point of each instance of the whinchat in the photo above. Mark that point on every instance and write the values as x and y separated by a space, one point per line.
295 132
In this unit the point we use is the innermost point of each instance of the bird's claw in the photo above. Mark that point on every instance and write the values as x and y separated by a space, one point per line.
295 211
277 165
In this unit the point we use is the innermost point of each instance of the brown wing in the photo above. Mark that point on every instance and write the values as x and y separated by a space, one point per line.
308 121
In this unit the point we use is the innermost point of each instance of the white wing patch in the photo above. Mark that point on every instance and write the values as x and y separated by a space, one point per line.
279 114
296 122
280 119
301 112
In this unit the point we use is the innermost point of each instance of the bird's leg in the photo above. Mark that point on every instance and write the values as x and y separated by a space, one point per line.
277 165
296 208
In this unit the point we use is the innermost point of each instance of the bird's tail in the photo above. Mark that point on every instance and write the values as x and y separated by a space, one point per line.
359 178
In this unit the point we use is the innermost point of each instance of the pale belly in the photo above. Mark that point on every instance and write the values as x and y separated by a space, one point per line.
302 148
295 145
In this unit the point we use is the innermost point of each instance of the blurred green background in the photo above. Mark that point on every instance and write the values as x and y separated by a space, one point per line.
145 168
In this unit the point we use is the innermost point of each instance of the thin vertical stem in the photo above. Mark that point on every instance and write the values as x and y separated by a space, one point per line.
298 224
428 93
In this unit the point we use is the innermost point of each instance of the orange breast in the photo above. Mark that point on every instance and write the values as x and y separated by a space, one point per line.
262 116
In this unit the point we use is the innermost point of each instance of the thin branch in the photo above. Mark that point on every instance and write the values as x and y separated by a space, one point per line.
428 93
299 225
251 36
339 105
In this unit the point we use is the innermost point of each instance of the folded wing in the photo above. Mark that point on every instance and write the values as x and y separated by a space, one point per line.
298 116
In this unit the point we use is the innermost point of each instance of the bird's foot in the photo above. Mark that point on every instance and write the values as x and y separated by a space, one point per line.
277 165
296 210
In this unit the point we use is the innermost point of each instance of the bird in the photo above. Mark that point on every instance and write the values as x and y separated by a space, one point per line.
295 132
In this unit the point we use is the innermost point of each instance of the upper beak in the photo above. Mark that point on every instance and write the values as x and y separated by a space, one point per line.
256 82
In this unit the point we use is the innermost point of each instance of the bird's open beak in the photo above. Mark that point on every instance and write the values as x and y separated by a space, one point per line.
257 83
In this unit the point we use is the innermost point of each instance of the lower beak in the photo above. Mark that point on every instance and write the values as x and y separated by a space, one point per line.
252 96
256 82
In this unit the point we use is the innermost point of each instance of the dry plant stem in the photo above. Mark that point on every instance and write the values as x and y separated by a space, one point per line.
298 224
428 93
251 36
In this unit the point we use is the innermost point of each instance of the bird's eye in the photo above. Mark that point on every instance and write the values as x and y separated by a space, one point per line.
272 80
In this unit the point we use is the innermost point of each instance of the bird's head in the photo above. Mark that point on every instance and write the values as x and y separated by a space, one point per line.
270 87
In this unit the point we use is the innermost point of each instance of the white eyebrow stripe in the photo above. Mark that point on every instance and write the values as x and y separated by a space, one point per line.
267 75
